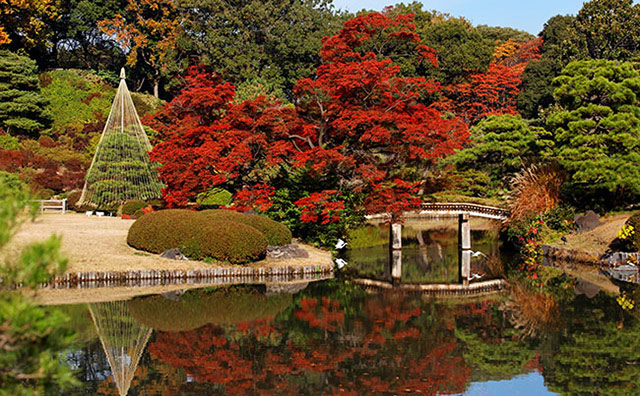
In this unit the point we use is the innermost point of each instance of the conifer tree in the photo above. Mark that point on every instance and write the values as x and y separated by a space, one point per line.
22 107
597 128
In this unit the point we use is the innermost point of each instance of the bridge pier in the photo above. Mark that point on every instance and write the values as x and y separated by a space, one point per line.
464 248
395 251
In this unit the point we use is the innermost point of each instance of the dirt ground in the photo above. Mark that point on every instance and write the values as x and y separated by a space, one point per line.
598 239
100 244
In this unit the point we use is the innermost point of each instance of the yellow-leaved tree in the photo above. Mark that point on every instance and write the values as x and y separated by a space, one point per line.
148 31
23 23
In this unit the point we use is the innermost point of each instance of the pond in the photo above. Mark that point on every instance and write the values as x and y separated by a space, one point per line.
333 337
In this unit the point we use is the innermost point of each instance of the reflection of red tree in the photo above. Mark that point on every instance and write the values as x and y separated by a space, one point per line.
378 350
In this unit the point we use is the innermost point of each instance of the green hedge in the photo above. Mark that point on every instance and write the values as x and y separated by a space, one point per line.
163 230
229 241
197 236
276 233
196 308
132 206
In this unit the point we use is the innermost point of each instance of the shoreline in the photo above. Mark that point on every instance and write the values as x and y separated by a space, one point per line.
98 253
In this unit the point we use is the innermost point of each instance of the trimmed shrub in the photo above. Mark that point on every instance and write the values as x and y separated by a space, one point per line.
164 230
229 241
196 308
197 236
139 213
276 233
132 206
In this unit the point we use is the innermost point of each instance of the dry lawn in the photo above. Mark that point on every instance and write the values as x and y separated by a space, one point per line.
100 244
598 239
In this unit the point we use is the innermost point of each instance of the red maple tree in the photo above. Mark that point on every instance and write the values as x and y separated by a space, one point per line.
358 124
496 91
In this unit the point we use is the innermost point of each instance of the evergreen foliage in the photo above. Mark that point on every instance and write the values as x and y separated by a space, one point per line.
214 198
197 236
121 169
22 107
596 128
500 146
34 338
276 233
278 41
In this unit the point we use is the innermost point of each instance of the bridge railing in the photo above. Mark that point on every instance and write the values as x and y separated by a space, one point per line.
465 207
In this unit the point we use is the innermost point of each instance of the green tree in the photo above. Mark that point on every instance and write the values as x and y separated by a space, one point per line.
500 145
560 46
278 41
22 107
596 128
461 49
501 34
610 29
77 40
32 338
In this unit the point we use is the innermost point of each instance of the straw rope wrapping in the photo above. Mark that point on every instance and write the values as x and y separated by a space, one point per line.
123 340
121 169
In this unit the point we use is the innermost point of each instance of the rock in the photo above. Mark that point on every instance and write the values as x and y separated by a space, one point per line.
286 252
586 288
174 254
587 222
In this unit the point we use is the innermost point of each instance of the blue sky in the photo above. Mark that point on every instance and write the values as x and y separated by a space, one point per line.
529 16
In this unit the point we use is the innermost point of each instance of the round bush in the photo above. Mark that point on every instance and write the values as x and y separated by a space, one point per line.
196 308
163 230
197 236
229 241
277 234
139 213
132 206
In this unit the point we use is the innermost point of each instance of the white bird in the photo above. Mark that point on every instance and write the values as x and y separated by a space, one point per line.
340 244
474 276
477 254
340 263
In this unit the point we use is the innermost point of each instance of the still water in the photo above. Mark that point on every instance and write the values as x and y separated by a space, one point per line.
336 338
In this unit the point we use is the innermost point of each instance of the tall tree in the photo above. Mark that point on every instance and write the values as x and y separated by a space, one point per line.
277 41
461 49
610 28
24 24
148 30
358 126
22 107
78 42
596 129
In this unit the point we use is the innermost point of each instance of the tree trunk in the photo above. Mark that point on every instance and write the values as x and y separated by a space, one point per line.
156 87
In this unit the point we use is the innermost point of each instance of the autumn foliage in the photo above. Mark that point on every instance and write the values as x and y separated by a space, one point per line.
495 91
358 126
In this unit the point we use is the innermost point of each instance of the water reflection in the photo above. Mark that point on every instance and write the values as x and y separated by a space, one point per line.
330 338
123 340
429 253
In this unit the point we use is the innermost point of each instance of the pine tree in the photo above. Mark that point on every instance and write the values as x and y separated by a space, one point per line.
22 107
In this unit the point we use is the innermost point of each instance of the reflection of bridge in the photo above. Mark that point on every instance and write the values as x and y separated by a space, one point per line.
461 210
